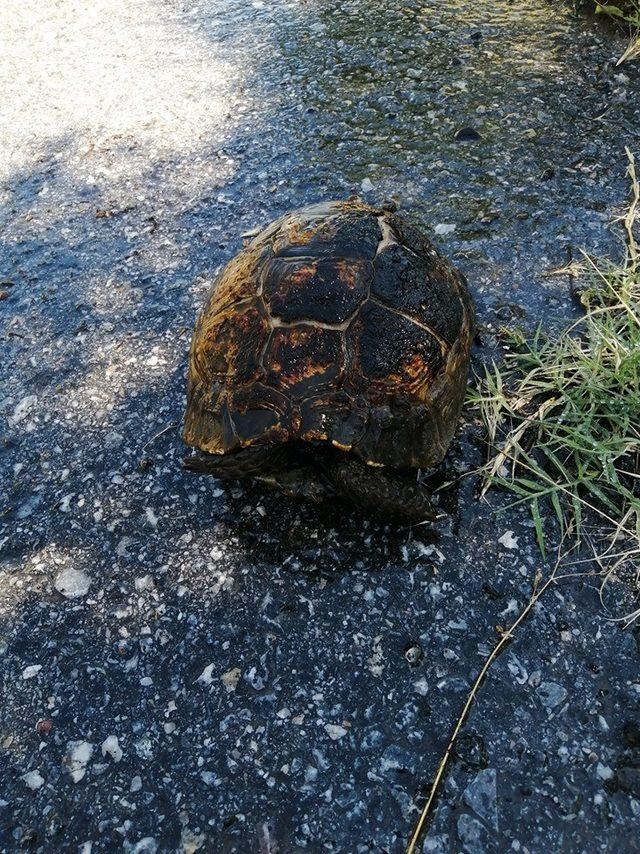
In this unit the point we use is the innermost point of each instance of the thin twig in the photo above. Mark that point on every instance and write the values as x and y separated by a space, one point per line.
161 433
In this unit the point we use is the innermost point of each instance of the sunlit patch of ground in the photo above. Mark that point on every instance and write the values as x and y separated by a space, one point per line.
92 71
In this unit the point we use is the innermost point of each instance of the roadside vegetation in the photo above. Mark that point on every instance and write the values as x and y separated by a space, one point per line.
562 413
627 13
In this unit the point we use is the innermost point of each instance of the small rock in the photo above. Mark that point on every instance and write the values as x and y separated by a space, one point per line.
122 549
334 731
445 228
23 408
191 842
148 845
481 796
145 582
254 679
603 771
551 694
508 540
33 779
78 755
113 440
136 784
421 686
72 583
396 758
366 186
44 726
230 679
30 671
473 835
151 517
65 503
206 677
413 654
111 747
25 510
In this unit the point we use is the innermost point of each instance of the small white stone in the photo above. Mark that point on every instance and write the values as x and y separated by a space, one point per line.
230 679
366 186
603 771
22 408
145 582
206 677
72 583
65 503
421 686
152 519
33 779
148 845
78 755
30 671
445 228
136 784
334 731
111 747
508 540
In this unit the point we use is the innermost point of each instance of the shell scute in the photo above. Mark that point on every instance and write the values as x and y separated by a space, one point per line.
228 344
260 414
304 359
325 291
428 292
393 357
343 234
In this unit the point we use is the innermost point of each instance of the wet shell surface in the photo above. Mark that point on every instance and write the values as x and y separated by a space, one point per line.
338 323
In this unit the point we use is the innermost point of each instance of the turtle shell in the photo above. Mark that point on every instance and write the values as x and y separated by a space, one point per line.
338 323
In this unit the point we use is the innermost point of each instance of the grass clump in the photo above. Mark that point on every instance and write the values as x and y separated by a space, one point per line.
562 414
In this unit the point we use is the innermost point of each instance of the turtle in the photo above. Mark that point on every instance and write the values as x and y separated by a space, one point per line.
330 360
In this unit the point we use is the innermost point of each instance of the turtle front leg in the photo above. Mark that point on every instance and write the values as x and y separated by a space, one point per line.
300 483
279 466
245 462
382 492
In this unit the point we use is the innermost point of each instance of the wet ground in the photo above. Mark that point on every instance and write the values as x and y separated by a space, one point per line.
191 667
